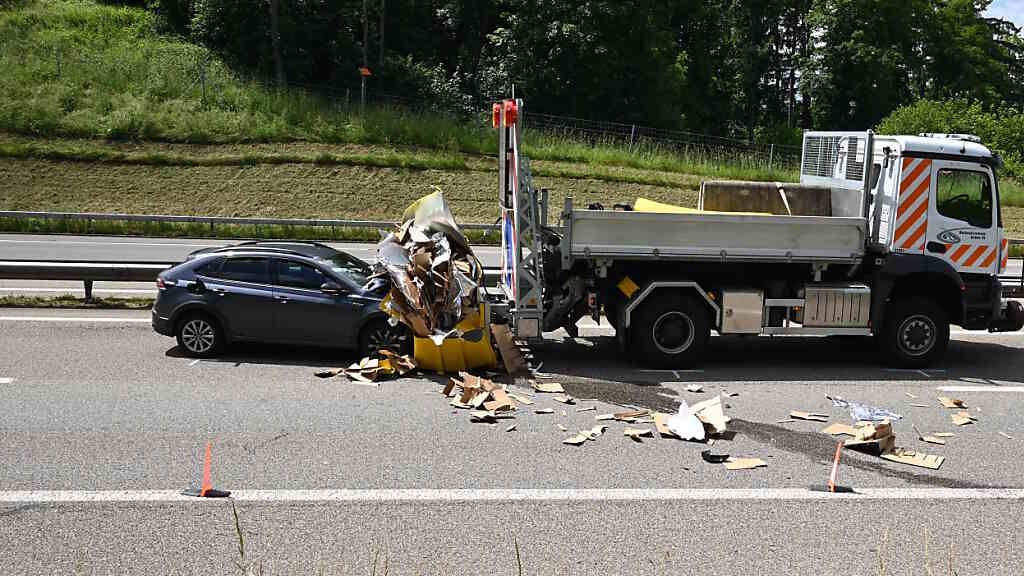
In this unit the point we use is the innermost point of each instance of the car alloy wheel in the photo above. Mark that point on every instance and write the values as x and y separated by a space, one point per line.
198 336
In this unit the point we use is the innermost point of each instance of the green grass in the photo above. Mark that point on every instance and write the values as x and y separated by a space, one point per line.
226 232
71 301
79 69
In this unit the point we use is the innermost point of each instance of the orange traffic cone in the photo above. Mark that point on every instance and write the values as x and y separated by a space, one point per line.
833 477
207 490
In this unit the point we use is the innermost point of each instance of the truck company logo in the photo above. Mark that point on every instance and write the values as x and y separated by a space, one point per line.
957 235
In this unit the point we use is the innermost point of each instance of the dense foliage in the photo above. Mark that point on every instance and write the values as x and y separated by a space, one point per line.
737 67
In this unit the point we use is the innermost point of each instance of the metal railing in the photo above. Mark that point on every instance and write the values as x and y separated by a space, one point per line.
90 272
217 220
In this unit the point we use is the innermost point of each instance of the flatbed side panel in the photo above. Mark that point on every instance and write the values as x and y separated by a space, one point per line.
735 237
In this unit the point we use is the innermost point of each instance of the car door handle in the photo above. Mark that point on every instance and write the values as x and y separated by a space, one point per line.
281 299
936 247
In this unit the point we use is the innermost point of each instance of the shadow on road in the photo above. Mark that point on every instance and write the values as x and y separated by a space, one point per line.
278 355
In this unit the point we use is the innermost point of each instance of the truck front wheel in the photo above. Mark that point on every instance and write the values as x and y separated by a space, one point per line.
670 330
916 333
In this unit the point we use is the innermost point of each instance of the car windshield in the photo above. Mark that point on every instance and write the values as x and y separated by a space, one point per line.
350 267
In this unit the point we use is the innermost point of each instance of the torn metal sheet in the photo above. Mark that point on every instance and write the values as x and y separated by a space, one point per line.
859 411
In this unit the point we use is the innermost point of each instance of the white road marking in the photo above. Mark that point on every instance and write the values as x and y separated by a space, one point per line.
980 388
72 319
194 362
6 380
75 290
502 495
106 243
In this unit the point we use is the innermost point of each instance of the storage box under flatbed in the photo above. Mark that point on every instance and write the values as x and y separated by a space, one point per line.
619 235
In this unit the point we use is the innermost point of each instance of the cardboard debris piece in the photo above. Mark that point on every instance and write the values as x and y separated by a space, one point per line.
1005 435
629 415
808 416
928 439
386 364
586 409
951 402
605 417
695 388
430 271
512 427
963 418
661 424
744 463
711 413
875 439
476 393
840 429
543 411
549 387
564 399
904 456
595 432
511 356
577 440
943 434
636 433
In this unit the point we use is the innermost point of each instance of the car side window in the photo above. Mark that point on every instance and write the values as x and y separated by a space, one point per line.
210 269
965 195
245 270
298 275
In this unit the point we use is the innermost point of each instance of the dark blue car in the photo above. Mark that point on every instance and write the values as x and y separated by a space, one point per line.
302 293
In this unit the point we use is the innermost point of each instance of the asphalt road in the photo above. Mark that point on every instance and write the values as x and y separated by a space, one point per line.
329 474
130 249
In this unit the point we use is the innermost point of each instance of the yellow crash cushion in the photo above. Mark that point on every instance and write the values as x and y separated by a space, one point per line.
645 205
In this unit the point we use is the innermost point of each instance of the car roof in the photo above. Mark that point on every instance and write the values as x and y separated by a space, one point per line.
313 250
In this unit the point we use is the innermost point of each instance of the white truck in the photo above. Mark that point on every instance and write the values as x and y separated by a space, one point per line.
910 241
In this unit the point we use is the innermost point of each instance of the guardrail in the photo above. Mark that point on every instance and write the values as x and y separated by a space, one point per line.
89 272
219 220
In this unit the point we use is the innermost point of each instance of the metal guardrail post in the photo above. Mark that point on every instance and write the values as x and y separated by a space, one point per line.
88 290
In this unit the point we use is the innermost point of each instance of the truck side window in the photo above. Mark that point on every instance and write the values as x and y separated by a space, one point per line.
965 195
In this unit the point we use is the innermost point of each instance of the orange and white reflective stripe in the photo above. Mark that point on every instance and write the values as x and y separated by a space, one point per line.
972 256
1006 255
912 213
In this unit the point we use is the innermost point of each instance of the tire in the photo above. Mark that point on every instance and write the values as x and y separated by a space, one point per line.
916 333
199 335
670 330
379 334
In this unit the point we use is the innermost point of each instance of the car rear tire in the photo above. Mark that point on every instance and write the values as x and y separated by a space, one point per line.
199 335
916 333
380 333
671 330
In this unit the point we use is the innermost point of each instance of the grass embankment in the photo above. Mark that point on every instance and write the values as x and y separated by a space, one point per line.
71 301
99 113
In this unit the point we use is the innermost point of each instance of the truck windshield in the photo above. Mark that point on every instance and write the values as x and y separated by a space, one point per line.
965 195
350 267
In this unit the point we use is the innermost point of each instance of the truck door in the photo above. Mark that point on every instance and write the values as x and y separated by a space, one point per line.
962 218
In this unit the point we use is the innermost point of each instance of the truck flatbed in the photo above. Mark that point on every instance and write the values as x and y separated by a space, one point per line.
623 235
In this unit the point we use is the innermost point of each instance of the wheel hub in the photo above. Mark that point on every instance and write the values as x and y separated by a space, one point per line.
917 335
672 332
198 336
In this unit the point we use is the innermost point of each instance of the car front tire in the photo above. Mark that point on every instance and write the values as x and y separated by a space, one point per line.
379 334
199 335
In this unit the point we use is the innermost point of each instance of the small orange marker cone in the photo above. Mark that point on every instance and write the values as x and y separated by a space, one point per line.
833 477
207 490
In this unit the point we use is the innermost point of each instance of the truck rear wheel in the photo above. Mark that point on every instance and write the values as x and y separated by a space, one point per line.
670 330
916 333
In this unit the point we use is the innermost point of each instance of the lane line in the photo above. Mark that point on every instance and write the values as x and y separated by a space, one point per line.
512 495
75 290
6 380
108 243
989 388
72 319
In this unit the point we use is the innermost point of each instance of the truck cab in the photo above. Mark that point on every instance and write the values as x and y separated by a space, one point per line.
895 237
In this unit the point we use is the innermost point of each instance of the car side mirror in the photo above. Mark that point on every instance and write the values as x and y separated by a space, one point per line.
330 288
